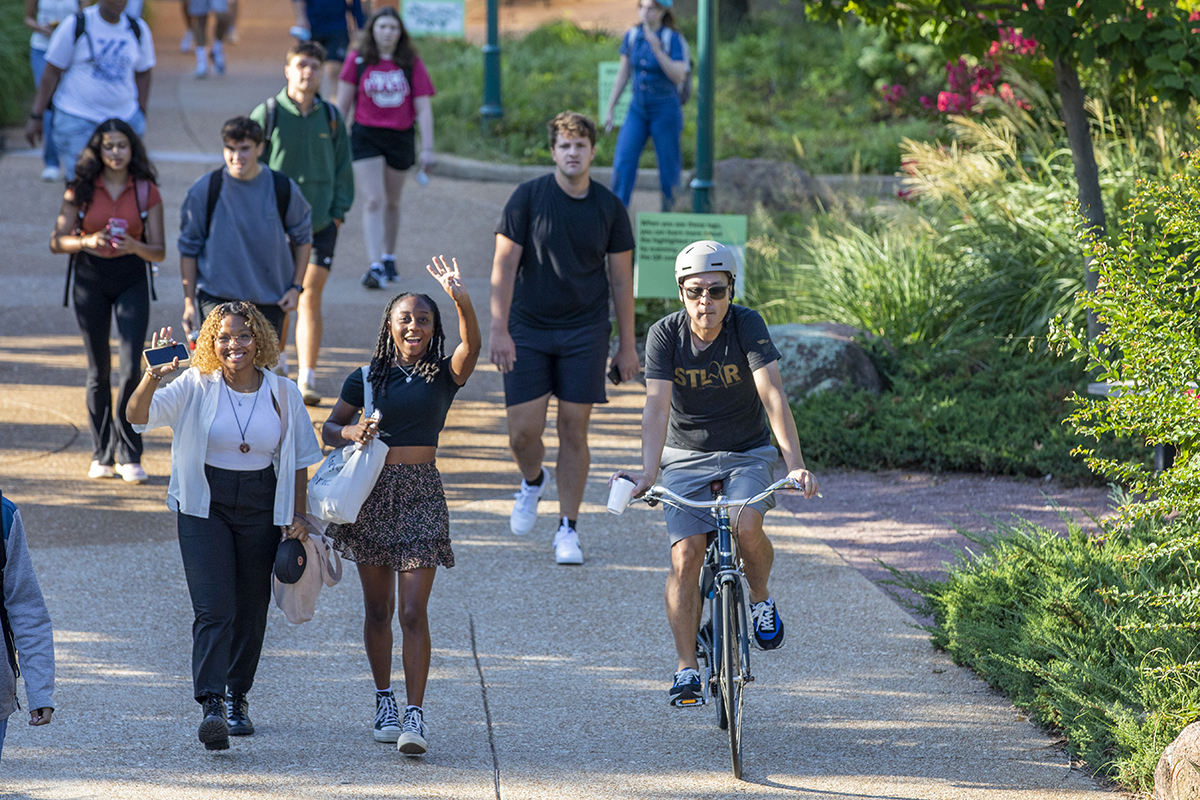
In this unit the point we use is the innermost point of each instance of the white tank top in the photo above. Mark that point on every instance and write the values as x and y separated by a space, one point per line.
256 415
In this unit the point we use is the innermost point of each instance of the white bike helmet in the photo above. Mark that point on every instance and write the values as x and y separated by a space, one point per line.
705 256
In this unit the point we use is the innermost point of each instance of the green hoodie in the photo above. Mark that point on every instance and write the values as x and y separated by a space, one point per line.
300 148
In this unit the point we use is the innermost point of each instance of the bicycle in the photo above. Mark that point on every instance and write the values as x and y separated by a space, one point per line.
722 643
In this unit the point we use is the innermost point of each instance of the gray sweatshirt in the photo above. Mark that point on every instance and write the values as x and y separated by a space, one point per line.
30 621
247 255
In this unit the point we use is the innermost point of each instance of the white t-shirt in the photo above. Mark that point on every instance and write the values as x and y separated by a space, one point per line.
98 68
51 11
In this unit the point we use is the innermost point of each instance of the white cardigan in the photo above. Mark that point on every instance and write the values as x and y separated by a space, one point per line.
189 405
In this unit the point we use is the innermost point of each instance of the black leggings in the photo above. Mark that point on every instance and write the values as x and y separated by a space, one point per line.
104 286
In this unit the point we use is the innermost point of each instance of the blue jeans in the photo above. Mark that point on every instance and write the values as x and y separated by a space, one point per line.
37 62
659 117
3 731
71 134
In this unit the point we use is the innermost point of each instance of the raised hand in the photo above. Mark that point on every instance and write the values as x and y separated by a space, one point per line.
448 276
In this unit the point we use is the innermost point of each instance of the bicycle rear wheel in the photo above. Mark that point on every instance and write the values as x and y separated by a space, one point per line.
732 635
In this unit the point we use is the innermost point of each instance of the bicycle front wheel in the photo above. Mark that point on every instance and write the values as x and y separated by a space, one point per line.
733 631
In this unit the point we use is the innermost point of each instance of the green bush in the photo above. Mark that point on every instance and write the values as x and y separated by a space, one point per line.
1150 347
785 87
16 79
1046 620
984 409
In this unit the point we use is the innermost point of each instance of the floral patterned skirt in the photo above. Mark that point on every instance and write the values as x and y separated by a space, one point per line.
403 524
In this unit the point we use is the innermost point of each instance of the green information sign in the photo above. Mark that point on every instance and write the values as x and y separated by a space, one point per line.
660 237
608 76
444 18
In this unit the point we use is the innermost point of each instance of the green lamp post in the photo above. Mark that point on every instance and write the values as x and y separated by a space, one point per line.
706 35
492 108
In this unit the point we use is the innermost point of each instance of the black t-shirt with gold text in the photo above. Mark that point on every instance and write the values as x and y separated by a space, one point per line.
714 403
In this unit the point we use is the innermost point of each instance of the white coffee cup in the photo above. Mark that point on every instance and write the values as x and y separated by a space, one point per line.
619 495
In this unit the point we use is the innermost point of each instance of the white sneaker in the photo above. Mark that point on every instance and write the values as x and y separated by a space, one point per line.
98 470
524 513
185 44
566 546
132 473
412 738
51 174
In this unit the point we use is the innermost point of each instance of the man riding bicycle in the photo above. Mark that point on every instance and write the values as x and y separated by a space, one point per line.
714 395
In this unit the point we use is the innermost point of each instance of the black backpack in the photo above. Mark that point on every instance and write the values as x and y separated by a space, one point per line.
7 512
283 196
81 29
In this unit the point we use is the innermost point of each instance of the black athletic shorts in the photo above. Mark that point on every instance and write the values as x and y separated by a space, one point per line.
566 362
336 44
323 244
398 148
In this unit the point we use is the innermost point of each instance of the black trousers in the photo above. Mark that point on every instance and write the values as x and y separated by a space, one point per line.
228 560
105 287
272 312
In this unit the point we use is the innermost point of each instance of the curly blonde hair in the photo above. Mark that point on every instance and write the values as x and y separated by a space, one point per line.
266 343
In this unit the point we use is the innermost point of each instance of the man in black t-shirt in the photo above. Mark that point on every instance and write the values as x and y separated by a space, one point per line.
562 245
713 396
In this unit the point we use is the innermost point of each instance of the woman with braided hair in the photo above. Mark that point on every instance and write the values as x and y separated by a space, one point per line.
402 533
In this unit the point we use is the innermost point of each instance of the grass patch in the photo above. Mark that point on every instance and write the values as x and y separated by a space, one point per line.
787 89
1050 621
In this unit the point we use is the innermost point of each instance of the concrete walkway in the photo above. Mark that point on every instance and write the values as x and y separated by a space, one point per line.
546 681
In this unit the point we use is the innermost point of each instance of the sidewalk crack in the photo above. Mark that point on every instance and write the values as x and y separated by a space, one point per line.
487 711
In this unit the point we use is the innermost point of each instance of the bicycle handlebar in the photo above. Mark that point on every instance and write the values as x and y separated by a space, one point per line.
659 492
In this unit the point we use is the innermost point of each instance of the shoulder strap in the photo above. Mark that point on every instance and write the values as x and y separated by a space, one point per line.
135 27
631 36
272 111
215 178
80 24
283 195
71 263
368 399
360 66
331 116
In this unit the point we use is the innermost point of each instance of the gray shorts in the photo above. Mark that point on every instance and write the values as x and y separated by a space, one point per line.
689 473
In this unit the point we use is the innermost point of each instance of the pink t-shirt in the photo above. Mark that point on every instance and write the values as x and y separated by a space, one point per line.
385 98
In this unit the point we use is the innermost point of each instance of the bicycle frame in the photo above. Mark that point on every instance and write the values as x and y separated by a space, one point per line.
727 664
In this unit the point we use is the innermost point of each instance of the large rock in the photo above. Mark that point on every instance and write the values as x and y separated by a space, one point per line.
741 184
817 358
1177 776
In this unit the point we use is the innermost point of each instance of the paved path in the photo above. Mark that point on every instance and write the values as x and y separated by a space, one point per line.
546 681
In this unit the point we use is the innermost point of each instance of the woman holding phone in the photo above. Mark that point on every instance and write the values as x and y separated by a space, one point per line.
240 451
111 223
655 57
386 83
402 533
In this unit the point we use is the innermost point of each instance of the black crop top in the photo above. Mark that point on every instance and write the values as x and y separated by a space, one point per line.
414 412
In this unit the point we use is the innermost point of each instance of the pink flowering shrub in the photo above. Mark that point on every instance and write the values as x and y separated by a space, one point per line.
966 83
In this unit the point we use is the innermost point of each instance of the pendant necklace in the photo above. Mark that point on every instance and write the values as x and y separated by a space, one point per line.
245 448
408 373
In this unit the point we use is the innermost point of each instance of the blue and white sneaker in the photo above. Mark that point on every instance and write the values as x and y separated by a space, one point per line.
768 625
686 691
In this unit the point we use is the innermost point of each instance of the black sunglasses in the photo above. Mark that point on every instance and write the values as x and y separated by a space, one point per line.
714 292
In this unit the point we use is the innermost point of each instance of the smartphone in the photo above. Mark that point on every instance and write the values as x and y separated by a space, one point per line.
614 374
117 228
422 177
157 356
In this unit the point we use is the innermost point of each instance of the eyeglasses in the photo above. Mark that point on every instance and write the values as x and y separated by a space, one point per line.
713 292
244 339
